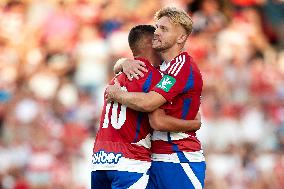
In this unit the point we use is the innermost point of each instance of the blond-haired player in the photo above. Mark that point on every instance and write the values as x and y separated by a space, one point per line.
177 157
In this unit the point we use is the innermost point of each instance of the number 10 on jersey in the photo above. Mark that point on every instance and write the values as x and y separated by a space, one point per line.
115 121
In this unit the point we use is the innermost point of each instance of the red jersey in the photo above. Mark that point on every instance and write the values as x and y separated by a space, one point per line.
181 87
124 134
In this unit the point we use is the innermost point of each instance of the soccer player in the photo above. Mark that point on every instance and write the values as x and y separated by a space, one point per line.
178 160
121 155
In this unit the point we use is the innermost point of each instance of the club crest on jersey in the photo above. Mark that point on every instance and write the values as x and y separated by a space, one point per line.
166 83
106 157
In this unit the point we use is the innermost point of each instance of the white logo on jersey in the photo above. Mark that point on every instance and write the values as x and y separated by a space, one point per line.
166 83
104 157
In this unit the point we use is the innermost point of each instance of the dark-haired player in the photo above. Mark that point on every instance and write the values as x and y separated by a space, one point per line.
178 160
121 153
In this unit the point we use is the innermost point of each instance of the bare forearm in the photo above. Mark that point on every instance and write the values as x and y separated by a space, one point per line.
169 123
160 121
134 100
139 101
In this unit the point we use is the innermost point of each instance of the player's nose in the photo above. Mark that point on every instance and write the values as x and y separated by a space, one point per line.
157 32
156 36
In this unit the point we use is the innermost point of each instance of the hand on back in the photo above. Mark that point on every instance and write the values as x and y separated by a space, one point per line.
133 68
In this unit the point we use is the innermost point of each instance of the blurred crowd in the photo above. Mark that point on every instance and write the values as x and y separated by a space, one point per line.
56 57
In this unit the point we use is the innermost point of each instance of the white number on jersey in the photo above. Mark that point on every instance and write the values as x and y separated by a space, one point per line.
115 121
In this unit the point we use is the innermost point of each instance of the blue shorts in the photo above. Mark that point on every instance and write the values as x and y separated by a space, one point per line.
168 175
107 179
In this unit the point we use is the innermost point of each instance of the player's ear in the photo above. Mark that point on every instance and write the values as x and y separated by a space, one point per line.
182 38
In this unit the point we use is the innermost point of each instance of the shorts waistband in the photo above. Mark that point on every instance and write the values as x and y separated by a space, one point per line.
190 156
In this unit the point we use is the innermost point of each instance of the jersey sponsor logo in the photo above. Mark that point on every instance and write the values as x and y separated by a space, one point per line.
166 83
106 157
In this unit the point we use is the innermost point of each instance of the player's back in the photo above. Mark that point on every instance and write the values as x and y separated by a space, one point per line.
124 134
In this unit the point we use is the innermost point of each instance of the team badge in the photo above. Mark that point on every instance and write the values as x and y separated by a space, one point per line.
166 83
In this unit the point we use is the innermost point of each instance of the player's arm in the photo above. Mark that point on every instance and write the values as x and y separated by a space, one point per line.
139 101
131 68
160 121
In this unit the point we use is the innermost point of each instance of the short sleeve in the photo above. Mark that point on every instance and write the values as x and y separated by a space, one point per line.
179 77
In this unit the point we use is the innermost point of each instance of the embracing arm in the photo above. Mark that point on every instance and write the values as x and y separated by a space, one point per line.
160 121
139 101
118 65
131 68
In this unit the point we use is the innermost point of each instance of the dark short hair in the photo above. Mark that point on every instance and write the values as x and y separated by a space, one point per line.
137 33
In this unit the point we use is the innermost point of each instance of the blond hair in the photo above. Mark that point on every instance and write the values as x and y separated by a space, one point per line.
177 16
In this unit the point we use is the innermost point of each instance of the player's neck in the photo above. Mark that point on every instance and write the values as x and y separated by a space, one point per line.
152 58
169 54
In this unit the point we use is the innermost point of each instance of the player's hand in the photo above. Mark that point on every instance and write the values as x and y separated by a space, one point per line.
112 90
133 68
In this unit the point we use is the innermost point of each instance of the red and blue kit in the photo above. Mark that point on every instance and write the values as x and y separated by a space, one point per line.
181 152
181 86
124 137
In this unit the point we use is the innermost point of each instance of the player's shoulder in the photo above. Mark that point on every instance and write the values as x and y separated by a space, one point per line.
180 63
185 57
121 77
148 65
151 69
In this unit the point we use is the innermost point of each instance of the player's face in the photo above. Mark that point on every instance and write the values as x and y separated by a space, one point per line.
148 49
166 34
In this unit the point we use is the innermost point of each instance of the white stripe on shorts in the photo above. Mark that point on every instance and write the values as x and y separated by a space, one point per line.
191 156
124 164
194 180
141 183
